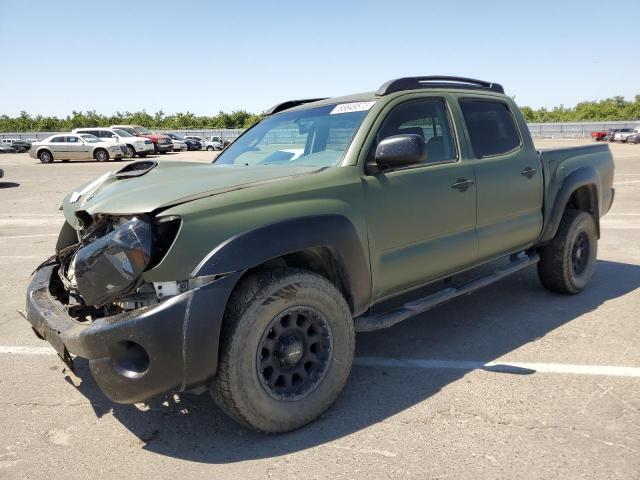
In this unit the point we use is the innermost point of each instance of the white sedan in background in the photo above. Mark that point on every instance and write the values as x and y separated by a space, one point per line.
135 145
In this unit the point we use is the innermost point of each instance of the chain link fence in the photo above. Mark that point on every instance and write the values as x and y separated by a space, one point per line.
575 130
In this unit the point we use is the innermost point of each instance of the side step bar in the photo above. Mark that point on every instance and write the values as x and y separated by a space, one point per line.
368 323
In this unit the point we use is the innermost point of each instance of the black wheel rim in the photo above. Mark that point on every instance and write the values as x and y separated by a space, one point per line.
580 253
294 353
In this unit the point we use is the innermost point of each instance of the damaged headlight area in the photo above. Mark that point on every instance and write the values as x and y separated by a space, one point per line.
111 265
101 275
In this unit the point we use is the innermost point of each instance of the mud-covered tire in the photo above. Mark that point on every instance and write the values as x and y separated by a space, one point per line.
567 262
240 387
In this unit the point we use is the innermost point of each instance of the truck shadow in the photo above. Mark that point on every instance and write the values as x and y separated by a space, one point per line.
479 327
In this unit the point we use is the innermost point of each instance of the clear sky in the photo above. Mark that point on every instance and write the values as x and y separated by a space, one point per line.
206 56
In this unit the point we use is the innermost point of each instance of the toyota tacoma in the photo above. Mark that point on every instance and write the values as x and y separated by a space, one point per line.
251 275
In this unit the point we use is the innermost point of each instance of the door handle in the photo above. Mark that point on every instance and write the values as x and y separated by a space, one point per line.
528 172
462 184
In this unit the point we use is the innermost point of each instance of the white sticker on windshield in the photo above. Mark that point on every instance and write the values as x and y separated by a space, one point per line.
352 107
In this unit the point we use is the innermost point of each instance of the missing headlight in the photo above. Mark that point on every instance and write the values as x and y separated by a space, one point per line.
112 264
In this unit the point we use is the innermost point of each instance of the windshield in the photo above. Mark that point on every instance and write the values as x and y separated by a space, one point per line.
90 138
313 137
142 130
122 133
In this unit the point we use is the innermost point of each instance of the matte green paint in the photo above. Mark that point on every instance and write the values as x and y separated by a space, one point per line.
415 227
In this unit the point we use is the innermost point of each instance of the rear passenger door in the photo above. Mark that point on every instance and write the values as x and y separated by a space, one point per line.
76 148
59 147
508 178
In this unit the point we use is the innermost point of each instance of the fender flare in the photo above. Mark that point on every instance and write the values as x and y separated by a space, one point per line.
254 247
586 176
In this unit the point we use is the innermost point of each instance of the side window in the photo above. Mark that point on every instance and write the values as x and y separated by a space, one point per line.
428 118
58 140
491 126
72 140
105 134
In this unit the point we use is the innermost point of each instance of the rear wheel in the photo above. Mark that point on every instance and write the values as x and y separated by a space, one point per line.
210 148
286 350
45 156
567 262
101 155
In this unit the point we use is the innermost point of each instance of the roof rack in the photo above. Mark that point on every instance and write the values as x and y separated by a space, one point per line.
290 104
413 83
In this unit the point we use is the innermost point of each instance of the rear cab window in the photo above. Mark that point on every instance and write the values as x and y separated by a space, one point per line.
491 126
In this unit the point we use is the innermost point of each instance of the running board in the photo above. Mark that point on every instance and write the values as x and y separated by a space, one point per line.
368 323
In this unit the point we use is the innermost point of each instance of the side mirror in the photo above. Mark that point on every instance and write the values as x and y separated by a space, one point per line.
400 151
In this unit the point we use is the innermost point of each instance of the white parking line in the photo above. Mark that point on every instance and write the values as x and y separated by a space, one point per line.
629 182
503 367
30 236
28 350
433 364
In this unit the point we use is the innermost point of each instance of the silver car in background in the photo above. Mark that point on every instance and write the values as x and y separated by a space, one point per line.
623 134
75 146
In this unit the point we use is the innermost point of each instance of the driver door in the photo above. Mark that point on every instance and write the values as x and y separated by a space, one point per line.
421 218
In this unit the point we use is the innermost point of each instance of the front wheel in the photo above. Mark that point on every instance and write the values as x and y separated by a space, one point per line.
567 262
210 148
131 152
286 350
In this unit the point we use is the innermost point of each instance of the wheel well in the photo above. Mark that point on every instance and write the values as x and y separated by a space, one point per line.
585 198
323 261
45 150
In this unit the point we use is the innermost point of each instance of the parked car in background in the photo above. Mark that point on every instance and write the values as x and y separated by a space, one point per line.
206 143
219 140
6 148
599 136
611 133
135 145
75 146
19 145
179 145
161 142
635 138
190 143
624 133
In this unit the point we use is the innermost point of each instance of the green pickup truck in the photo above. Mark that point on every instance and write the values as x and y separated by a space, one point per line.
252 274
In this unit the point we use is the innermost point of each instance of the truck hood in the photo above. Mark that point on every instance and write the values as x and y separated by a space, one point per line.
170 183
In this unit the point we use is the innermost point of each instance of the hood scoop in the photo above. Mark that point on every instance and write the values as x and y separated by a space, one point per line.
136 169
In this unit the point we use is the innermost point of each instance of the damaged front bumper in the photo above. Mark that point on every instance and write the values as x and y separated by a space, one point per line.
139 354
